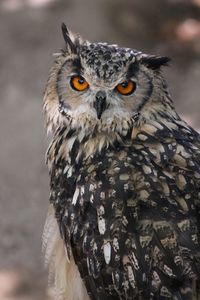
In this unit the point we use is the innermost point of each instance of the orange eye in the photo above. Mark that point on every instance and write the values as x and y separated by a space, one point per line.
126 88
78 83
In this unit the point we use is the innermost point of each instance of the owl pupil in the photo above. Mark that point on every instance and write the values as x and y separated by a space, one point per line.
124 84
81 81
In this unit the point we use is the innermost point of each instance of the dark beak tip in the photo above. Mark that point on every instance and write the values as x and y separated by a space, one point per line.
100 103
100 106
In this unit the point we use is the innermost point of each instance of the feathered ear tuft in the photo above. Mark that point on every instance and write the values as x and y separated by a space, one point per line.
155 62
67 38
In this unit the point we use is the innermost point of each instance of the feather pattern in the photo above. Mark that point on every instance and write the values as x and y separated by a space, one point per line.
129 210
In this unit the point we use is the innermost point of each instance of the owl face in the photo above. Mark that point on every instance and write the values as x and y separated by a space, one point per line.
101 87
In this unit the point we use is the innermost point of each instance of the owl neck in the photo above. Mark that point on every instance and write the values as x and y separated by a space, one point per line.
75 144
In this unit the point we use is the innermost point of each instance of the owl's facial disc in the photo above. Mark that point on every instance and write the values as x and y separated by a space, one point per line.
104 86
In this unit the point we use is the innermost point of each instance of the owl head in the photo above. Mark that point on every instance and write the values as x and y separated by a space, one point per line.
101 87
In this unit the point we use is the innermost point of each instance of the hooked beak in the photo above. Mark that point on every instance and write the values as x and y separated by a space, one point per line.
100 103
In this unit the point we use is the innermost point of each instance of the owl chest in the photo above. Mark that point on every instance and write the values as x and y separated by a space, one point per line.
103 189
104 200
107 176
126 182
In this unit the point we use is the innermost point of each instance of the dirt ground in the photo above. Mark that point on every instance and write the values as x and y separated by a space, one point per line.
30 33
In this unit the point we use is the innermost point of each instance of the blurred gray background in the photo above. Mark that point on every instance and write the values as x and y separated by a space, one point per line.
30 33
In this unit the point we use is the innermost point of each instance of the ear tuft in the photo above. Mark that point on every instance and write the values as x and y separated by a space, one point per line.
155 62
67 38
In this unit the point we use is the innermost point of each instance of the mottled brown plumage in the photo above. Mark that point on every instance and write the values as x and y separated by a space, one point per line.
124 187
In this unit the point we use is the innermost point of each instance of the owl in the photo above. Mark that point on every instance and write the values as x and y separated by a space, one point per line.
124 214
